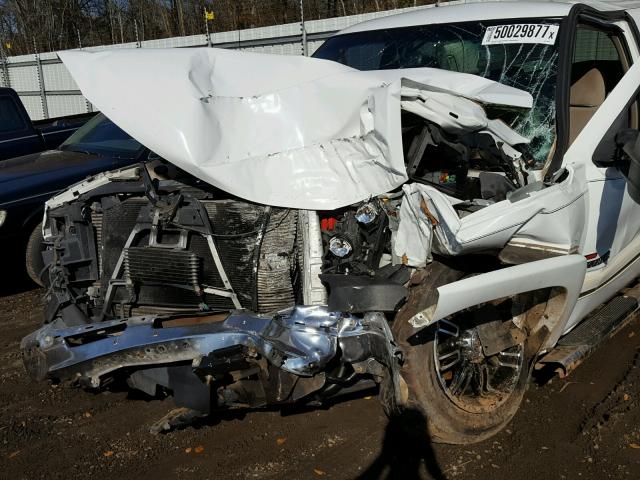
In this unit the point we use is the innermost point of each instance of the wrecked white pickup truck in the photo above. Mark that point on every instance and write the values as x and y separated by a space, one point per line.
438 202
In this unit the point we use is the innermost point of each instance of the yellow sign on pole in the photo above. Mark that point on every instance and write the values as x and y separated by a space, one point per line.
209 15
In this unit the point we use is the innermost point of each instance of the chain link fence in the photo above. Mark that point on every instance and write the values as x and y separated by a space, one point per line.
48 91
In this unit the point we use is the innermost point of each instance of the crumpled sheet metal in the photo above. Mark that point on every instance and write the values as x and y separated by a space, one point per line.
553 216
286 131
411 242
301 341
426 213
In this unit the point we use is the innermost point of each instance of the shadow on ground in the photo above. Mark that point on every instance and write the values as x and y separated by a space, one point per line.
406 449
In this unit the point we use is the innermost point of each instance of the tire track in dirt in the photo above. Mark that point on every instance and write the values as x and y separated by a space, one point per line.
618 402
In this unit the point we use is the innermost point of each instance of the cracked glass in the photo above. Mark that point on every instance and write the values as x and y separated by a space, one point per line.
458 47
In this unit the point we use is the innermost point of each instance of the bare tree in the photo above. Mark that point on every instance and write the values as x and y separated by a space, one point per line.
46 25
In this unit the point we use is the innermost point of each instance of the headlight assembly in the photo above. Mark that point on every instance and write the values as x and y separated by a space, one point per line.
340 247
367 213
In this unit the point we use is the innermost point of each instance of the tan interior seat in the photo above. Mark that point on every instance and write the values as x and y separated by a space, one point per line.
587 94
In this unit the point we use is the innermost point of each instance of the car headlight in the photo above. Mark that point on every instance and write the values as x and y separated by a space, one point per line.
367 213
340 247
3 216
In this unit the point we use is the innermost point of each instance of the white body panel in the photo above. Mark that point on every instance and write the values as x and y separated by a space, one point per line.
613 221
296 132
565 272
590 211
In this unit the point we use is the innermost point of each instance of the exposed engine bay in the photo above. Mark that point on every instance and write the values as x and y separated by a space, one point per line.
160 241
174 284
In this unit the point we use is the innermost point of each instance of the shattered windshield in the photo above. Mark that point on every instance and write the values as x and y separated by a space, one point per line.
523 54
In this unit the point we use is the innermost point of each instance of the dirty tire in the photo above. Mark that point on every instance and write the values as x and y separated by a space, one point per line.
446 422
33 255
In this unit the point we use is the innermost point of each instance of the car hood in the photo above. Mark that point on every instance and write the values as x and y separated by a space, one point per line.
41 163
287 131
45 173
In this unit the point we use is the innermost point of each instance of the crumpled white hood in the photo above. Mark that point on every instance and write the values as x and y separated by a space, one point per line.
286 131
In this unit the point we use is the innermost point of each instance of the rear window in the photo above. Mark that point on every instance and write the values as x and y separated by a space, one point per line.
10 118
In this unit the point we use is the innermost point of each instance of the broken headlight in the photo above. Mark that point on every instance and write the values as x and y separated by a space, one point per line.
367 213
340 247
355 238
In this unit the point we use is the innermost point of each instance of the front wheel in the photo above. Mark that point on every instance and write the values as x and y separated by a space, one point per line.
465 395
33 256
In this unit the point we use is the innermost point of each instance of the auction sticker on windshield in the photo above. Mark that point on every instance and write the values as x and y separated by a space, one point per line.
521 33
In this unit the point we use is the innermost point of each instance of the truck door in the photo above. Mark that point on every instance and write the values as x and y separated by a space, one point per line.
602 99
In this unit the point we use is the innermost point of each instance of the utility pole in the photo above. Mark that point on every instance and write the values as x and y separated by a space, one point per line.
43 90
135 29
208 16
303 29
238 24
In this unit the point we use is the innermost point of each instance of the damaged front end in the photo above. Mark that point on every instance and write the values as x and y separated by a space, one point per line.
175 286
270 271
209 361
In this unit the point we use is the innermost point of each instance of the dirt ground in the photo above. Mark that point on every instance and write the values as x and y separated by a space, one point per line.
587 426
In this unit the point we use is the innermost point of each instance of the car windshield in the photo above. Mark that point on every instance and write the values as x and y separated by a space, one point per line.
517 55
101 136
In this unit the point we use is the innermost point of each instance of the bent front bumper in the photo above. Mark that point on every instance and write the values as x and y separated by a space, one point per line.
221 350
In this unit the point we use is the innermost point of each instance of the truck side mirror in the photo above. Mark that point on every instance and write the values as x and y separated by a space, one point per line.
628 159
603 156
625 142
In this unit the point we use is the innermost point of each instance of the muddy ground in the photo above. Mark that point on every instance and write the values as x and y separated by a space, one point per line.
587 426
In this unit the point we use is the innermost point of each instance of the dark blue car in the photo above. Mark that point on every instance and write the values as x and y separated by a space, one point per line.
19 135
29 181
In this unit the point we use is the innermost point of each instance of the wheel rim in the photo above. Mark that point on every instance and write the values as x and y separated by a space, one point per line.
474 382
